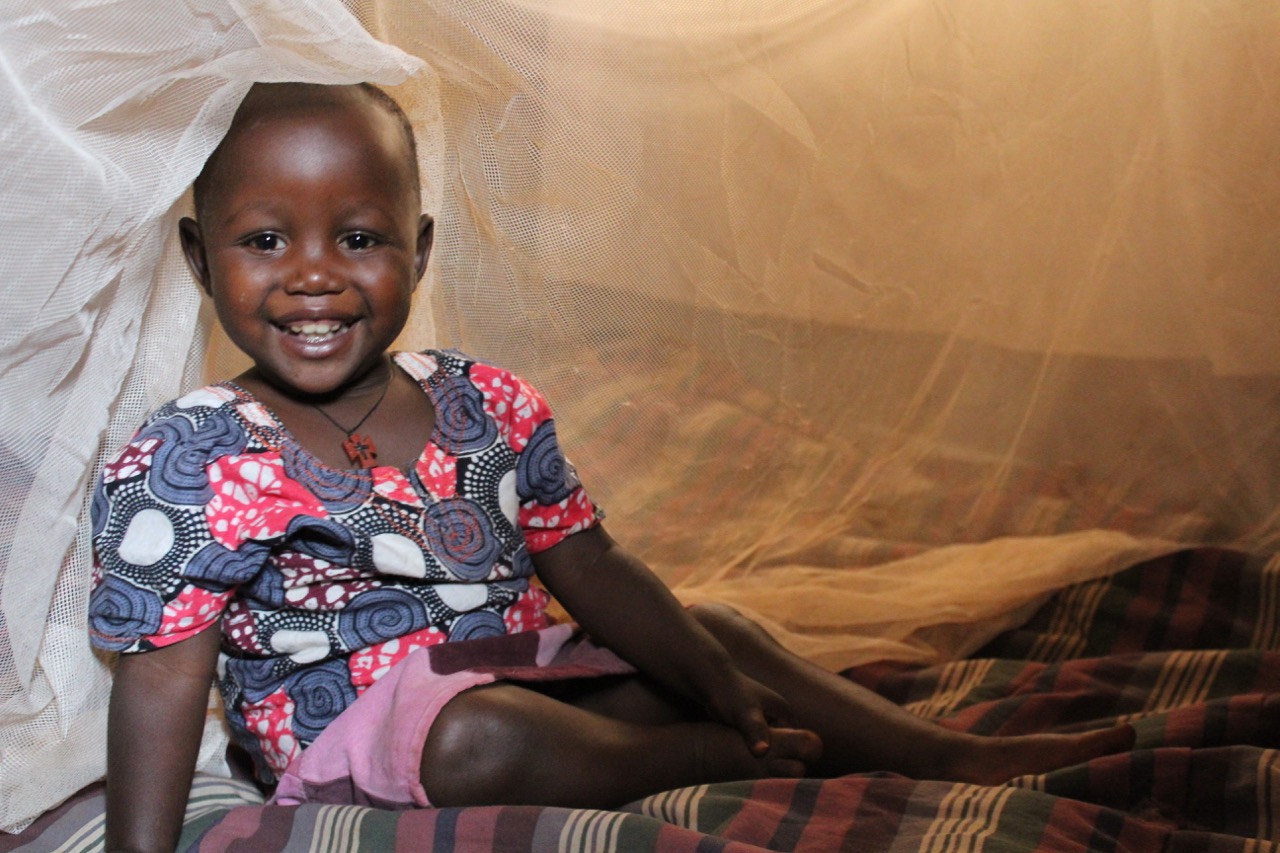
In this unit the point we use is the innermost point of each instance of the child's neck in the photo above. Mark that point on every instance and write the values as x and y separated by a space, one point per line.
274 390
384 407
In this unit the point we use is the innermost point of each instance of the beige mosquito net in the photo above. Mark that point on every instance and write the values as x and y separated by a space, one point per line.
878 318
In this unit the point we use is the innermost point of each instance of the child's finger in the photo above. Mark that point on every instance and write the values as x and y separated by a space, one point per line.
792 752
777 711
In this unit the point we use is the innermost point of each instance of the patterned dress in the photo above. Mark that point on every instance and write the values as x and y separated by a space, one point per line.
325 578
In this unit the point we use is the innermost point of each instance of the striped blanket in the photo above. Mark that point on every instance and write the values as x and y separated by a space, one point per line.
1186 648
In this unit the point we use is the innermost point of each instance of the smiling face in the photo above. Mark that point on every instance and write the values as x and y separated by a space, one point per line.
310 238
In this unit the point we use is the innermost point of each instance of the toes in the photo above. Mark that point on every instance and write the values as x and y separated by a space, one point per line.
798 746
1099 743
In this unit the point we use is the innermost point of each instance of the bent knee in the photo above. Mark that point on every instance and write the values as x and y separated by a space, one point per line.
472 748
715 613
727 624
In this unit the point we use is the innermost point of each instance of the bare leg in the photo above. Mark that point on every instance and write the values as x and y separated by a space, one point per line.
505 744
863 731
607 742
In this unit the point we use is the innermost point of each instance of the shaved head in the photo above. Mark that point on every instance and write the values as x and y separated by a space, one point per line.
269 100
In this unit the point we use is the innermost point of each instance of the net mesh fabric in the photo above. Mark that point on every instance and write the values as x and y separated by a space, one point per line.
877 319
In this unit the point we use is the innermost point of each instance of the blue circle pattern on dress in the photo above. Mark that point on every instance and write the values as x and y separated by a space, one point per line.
461 421
217 564
541 469
99 509
258 678
339 491
265 589
322 538
522 564
461 536
477 625
178 469
320 693
131 498
380 615
516 584
119 613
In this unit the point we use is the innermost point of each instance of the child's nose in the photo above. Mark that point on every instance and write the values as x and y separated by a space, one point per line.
314 273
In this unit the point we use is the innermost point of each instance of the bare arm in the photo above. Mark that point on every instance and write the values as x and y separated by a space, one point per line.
624 606
158 704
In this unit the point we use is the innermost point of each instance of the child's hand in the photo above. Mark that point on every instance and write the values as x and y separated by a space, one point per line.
764 719
620 603
751 708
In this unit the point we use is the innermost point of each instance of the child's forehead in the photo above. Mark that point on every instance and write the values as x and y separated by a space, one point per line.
273 117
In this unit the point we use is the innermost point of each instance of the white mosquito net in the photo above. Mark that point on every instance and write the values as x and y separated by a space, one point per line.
879 319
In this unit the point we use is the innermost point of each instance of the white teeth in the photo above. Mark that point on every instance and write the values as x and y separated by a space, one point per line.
323 329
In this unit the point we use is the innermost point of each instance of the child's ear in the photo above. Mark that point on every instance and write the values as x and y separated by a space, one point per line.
426 233
193 250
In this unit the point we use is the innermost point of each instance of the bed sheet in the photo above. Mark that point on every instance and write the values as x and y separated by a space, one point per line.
1185 647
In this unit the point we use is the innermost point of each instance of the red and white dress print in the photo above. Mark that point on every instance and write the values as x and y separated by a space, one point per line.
325 578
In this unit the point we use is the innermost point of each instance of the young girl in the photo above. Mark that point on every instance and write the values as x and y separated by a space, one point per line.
345 538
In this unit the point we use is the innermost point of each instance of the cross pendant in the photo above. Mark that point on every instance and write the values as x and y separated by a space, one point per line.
361 450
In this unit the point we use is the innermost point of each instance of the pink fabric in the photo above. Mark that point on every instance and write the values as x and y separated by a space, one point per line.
371 754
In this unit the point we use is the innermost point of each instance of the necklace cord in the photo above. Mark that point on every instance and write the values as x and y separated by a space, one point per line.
385 386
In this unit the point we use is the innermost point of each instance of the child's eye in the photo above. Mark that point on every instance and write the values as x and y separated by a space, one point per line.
359 241
265 242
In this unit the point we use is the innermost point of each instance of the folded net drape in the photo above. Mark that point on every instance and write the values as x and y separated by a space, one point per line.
813 286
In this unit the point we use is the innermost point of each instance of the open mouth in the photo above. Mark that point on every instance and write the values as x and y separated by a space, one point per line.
316 331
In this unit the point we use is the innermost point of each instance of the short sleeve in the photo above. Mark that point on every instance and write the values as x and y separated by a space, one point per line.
160 575
553 504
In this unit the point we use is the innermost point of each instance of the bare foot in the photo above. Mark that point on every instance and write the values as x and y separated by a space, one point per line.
722 755
994 760
792 752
